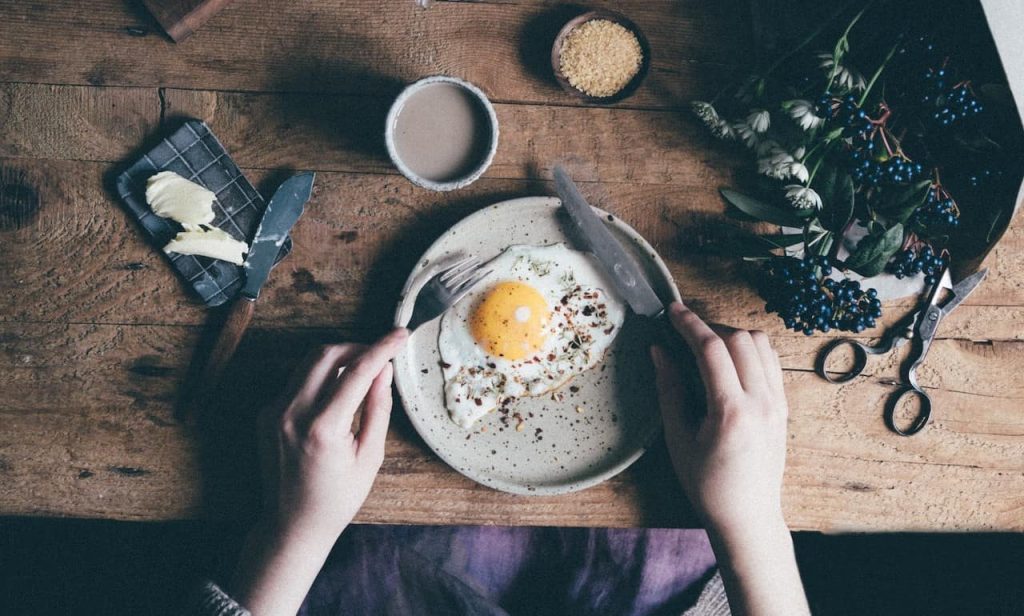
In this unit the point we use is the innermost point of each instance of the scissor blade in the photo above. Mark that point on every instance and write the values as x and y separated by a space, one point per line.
963 289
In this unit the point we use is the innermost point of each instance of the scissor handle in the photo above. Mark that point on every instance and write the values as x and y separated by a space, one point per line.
860 360
923 414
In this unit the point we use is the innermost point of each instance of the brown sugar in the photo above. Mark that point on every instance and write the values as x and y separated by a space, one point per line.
600 57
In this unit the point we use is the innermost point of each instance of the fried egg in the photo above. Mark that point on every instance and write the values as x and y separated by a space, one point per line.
544 315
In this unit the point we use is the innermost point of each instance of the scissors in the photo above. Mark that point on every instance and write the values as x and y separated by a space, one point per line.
919 326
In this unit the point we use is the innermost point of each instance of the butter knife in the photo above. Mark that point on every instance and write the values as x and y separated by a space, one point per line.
625 273
283 211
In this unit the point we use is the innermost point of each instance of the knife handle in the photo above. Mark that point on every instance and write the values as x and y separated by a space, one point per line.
228 339
208 377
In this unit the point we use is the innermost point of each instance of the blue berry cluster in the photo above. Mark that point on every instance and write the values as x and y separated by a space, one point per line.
852 118
958 105
936 217
929 83
911 262
933 85
801 293
867 169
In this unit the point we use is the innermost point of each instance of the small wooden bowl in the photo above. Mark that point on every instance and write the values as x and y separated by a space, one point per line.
622 20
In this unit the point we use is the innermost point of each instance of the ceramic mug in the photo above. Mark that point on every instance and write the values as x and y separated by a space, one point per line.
486 153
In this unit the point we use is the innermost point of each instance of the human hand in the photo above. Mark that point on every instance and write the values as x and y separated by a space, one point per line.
729 457
317 469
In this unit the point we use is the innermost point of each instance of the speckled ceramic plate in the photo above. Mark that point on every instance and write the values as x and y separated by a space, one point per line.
607 416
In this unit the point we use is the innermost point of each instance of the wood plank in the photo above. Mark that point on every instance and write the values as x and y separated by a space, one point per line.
328 132
100 440
181 18
76 123
359 239
362 47
346 133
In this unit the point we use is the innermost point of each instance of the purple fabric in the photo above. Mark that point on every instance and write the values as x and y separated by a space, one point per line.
439 570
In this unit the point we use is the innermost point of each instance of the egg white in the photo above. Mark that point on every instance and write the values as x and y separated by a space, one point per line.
586 315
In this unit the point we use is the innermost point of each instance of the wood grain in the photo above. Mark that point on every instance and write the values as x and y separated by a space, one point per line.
103 432
75 123
96 333
358 240
181 18
362 47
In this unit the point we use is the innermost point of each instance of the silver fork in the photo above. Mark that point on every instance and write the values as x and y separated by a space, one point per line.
445 289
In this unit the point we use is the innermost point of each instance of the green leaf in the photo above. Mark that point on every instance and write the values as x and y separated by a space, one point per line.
874 251
899 204
761 210
837 197
834 133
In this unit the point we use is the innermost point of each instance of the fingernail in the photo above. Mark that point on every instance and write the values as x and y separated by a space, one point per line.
677 308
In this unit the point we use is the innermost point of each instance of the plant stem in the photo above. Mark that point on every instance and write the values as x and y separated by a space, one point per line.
843 44
812 150
877 74
815 170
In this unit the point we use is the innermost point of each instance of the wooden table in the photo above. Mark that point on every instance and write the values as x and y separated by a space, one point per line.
96 332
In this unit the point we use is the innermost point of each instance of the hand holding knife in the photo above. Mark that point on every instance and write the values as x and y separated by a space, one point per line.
625 273
629 279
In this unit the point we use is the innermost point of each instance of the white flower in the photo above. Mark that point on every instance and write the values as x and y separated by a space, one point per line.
781 165
845 76
723 130
759 120
803 112
849 78
706 112
776 166
746 134
797 170
802 197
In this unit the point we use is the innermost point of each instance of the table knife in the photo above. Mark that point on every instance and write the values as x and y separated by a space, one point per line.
283 210
625 273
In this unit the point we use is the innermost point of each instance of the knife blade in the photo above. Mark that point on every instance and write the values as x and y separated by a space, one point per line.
625 273
282 212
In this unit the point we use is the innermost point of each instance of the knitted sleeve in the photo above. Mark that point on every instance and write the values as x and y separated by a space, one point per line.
712 600
210 600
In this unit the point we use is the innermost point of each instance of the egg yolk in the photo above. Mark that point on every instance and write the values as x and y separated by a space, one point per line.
511 321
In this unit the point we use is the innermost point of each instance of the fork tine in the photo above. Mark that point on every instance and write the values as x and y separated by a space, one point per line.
470 282
457 268
464 275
